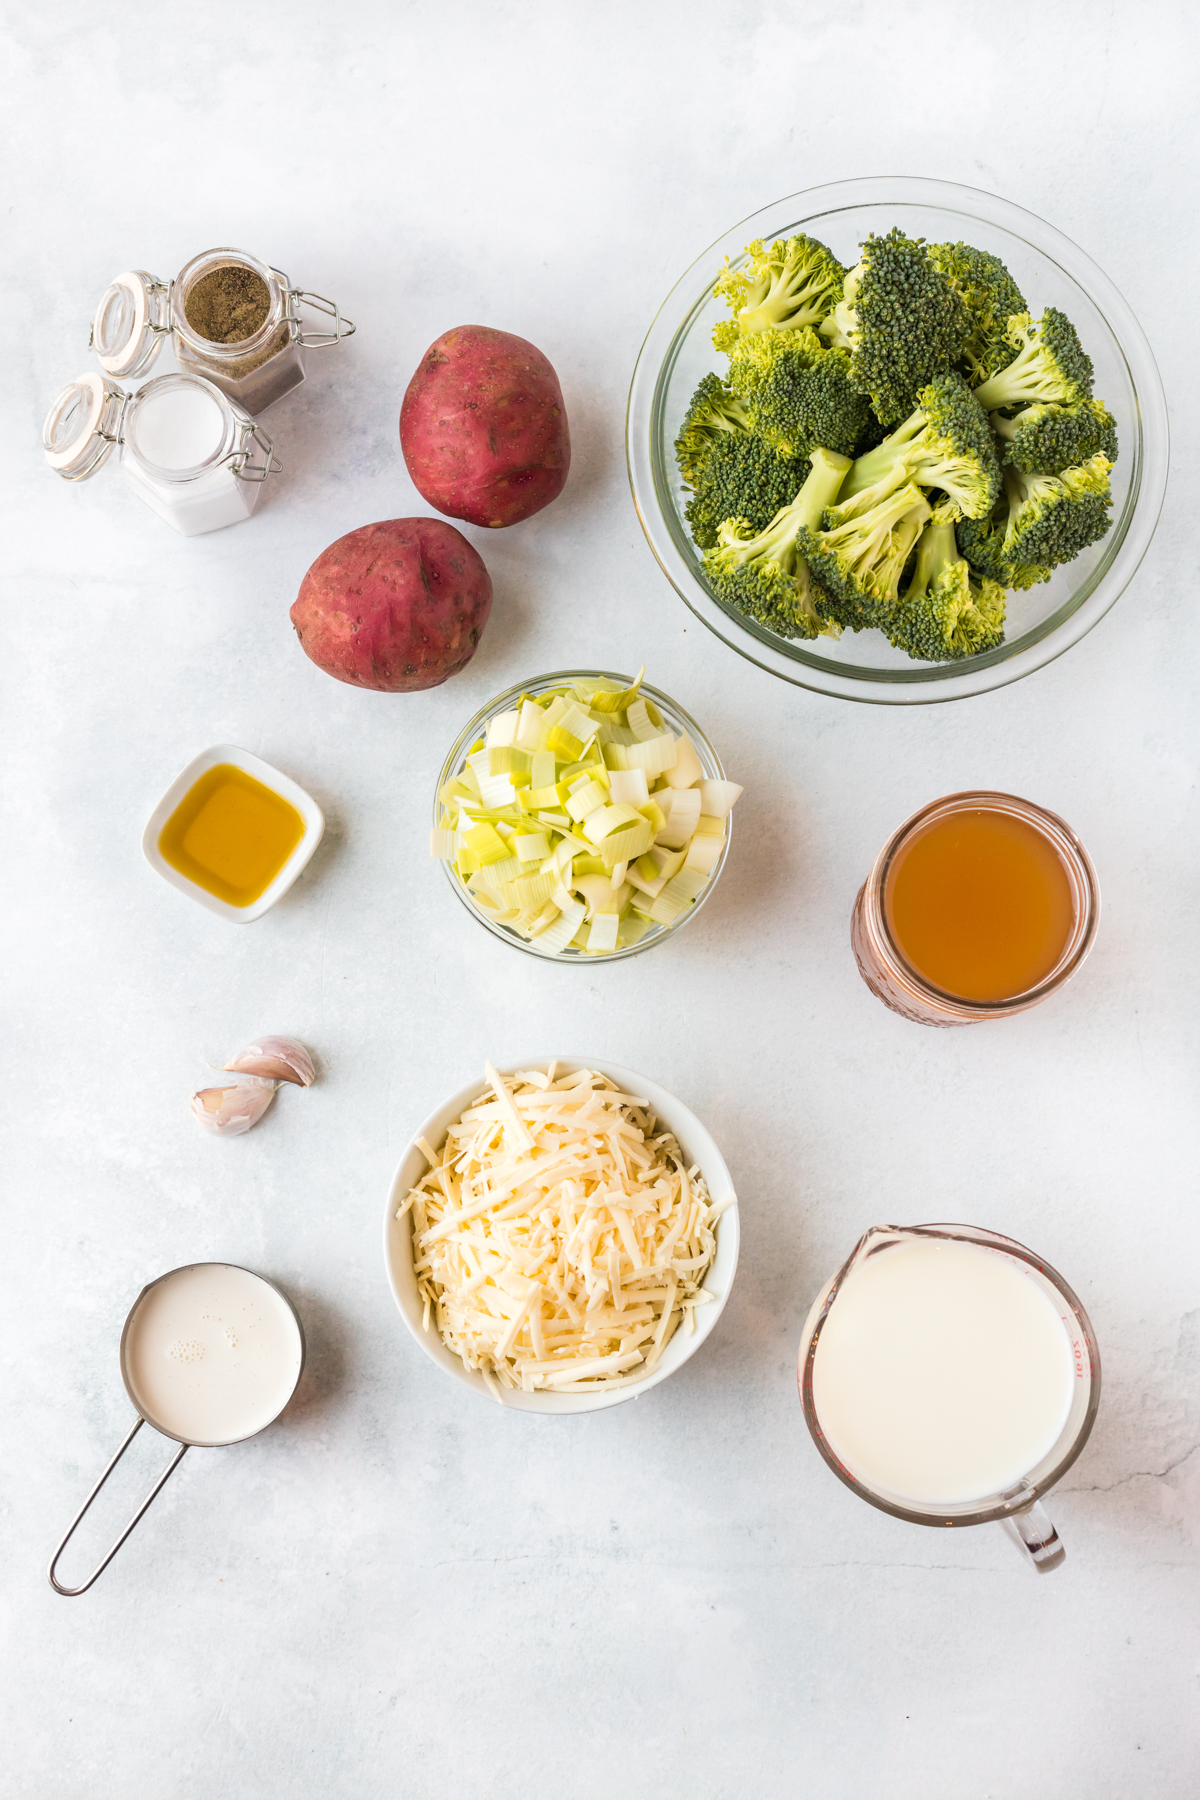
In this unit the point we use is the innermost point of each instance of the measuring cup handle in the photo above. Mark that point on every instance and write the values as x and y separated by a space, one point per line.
1032 1531
170 1469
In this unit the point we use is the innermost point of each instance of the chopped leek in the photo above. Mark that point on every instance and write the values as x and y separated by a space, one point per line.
678 894
581 822
689 770
485 844
506 759
682 818
629 784
531 846
502 729
603 933
718 797
704 853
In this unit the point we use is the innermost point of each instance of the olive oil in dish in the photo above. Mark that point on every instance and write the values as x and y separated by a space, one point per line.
231 835
943 1373
212 1354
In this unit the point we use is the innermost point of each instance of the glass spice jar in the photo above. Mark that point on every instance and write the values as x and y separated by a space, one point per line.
232 319
190 453
894 979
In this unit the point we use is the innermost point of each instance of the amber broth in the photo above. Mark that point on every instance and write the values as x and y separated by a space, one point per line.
231 835
979 905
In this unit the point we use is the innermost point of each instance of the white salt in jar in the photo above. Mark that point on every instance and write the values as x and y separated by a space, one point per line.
190 453
254 354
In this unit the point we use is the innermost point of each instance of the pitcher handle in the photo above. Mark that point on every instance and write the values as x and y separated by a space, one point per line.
1032 1531
71 1592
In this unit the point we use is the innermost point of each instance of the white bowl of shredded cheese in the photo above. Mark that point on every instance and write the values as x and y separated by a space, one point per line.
561 1235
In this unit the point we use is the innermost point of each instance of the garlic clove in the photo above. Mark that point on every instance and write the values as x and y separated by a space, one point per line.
278 1059
234 1106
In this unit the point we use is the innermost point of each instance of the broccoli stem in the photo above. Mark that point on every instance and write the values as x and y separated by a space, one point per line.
776 543
937 549
821 489
884 459
1024 380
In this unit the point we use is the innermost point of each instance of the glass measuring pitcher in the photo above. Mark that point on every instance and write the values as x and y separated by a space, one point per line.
949 1376
211 1354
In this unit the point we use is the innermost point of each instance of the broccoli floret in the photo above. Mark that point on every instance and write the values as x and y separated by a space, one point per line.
902 321
860 559
714 412
990 295
982 543
1039 522
1051 518
796 283
762 575
1049 438
943 615
1050 364
742 477
797 392
946 443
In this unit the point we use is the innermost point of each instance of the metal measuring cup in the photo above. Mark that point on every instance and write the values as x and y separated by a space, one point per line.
146 1417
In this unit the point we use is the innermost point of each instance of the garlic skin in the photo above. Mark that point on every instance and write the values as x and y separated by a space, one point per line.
234 1106
277 1059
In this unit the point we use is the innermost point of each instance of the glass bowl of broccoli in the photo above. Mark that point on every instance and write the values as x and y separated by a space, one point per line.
897 440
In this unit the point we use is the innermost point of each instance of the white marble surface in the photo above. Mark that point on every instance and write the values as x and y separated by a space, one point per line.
399 1590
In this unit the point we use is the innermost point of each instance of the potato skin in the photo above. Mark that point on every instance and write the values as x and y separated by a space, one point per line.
483 427
397 606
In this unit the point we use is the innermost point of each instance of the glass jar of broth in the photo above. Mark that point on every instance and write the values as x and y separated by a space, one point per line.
979 906
189 452
231 318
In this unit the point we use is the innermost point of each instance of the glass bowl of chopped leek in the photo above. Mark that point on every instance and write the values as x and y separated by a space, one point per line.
966 591
582 814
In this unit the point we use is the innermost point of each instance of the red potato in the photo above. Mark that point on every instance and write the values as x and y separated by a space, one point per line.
483 427
397 606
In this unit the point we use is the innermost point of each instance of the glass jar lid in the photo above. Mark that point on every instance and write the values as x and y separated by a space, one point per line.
131 321
83 426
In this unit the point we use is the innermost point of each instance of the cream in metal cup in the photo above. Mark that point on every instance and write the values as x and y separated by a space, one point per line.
1016 1505
211 1354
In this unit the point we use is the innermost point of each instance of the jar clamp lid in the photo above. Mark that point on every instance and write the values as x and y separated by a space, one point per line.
130 323
83 427
94 414
138 310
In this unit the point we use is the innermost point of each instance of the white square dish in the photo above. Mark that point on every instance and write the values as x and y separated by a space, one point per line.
305 805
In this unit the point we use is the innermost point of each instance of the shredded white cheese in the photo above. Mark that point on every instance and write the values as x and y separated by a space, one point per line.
558 1238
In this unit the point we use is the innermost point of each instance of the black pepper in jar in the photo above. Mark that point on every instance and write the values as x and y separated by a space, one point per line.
228 304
